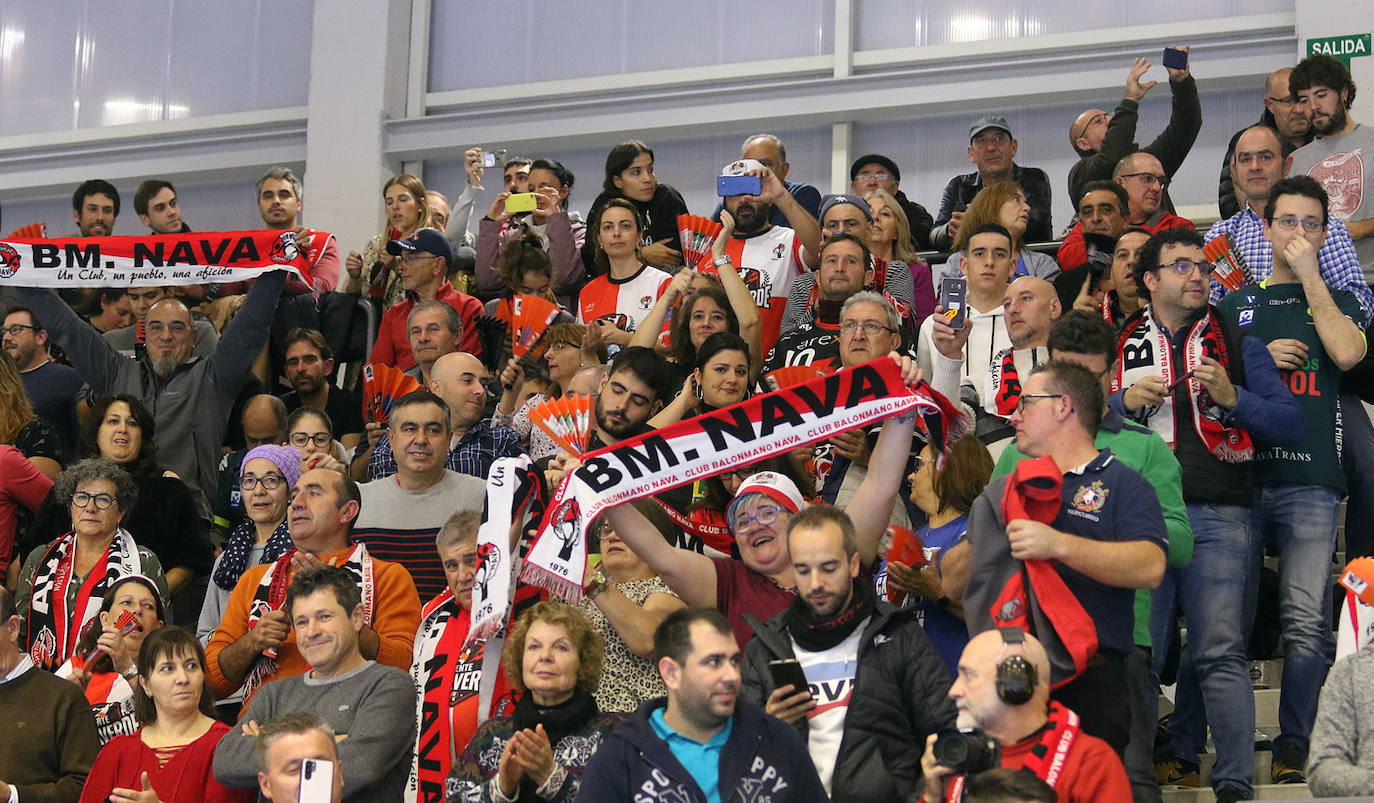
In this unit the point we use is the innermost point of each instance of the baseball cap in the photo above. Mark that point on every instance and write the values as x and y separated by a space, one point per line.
740 167
430 241
844 198
984 123
771 484
874 159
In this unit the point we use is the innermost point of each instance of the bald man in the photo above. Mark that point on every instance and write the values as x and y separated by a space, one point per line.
1020 716
458 378
1146 182
190 397
1284 116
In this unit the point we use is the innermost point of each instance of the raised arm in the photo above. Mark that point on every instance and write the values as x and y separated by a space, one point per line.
1341 337
564 253
245 336
801 221
646 334
741 300
871 507
94 359
690 575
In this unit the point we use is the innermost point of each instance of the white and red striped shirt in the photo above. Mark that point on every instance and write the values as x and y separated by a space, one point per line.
622 302
768 262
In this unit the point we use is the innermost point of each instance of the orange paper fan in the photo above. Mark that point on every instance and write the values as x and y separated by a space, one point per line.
698 234
33 231
531 316
383 385
567 421
790 375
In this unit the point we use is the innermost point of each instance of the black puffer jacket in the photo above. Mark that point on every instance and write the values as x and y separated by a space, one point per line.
901 695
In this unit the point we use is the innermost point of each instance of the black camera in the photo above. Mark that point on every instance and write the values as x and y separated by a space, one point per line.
967 752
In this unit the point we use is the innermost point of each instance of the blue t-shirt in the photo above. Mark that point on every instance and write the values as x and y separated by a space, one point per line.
948 632
702 761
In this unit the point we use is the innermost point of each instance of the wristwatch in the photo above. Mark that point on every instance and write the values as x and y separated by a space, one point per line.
722 261
597 584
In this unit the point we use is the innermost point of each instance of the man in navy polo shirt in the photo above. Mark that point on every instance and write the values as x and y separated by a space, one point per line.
1106 537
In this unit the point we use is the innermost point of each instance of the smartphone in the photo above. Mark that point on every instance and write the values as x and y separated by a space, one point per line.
788 671
1178 383
519 202
1175 59
493 158
738 185
317 781
953 292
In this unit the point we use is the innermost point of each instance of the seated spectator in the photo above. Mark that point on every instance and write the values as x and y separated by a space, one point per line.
1003 203
264 422
630 175
565 358
361 699
25 487
58 595
1102 211
702 742
309 363
889 240
310 431
190 397
122 431
52 387
843 273
613 305
1123 299
284 744
1338 761
850 214
109 678
945 494
255 642
1003 688
433 329
719 379
525 270
768 150
760 582
59 745
266 477
402 513
992 148
554 657
866 709
109 309
769 257
876 172
170 755
1145 181
560 233
1282 114
422 269
707 302
128 341
1102 140
375 273
625 601
459 379
21 428
988 266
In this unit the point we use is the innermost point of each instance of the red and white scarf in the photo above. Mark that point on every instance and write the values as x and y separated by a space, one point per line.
270 595
1047 757
52 629
157 259
1004 381
513 488
1144 349
710 443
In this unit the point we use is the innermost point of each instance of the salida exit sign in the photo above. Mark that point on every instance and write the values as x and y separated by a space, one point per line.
1342 48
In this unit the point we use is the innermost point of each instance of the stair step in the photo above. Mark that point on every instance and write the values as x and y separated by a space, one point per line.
1294 791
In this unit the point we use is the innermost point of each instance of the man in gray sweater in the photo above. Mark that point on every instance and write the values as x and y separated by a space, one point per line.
369 706
1340 759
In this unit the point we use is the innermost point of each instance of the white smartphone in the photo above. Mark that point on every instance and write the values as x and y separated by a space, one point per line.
317 781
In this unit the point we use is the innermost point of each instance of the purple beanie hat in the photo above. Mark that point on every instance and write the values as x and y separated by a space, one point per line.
285 458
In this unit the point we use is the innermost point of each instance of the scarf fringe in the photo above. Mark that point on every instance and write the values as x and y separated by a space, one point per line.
557 585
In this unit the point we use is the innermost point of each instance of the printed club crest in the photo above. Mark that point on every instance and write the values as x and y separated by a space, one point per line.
567 523
9 261
488 560
285 250
1090 498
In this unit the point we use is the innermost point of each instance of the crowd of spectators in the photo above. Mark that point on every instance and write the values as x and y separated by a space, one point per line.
228 572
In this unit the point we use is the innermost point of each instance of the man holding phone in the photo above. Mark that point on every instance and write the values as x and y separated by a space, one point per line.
858 677
285 746
1102 139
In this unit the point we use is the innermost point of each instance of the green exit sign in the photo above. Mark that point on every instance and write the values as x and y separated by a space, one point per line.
1341 48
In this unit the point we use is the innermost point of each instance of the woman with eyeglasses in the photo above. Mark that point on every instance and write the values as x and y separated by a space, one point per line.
1003 203
564 357
266 477
945 495
63 584
706 530
311 433
165 520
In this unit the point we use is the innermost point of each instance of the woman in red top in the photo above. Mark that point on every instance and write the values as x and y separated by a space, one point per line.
169 759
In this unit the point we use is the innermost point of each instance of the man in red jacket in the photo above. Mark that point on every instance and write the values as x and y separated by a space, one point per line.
425 259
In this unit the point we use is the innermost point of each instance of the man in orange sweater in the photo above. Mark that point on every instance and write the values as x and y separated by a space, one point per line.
1003 688
254 643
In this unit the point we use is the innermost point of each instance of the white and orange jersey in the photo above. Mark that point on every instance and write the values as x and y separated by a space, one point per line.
622 302
768 262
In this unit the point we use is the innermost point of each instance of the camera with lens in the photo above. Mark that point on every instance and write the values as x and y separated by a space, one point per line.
967 751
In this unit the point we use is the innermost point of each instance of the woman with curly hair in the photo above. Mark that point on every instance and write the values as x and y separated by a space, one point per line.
554 657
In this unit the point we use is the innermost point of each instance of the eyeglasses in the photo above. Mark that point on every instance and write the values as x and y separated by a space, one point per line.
1027 397
414 256
1149 178
764 516
16 328
1288 101
874 176
870 328
1185 266
271 482
102 501
1092 121
1285 222
303 438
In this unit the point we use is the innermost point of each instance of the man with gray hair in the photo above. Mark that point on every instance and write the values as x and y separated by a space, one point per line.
434 329
280 200
284 744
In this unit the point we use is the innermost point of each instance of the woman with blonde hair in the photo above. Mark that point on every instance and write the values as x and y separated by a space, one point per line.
889 240
1003 203
373 272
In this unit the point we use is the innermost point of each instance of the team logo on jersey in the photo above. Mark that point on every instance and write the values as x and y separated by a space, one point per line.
1247 317
779 250
645 302
9 261
1091 498
617 319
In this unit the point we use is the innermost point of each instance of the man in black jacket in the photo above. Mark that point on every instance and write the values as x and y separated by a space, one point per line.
877 172
701 743
876 685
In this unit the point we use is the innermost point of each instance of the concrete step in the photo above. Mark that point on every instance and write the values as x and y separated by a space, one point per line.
1295 791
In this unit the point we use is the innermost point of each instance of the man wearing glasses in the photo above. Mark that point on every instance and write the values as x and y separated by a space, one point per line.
1285 116
1313 336
423 265
1146 183
1215 395
1103 139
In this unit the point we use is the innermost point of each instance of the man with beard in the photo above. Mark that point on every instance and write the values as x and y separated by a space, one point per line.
309 363
815 341
95 206
190 397
1285 116
769 257
634 390
1145 181
1336 158
51 387
876 687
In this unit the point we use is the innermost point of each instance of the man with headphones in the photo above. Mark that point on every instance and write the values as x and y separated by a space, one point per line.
1003 689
